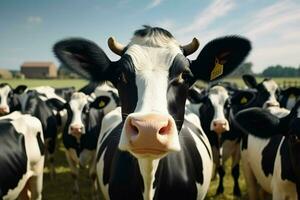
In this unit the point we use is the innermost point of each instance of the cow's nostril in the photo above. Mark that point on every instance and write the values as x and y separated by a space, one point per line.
135 130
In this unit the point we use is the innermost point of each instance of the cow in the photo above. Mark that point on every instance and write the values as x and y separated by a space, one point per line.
213 108
272 157
8 98
38 104
289 97
21 156
152 147
267 91
80 135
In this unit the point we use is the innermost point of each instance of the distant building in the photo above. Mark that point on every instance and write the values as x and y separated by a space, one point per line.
39 70
5 74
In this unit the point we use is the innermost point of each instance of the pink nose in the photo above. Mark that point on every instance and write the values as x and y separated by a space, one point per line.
76 129
220 126
3 110
150 134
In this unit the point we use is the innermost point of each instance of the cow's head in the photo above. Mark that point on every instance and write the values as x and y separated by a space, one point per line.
153 76
8 99
214 110
267 91
79 108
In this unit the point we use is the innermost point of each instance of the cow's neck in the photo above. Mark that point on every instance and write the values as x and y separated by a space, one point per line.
148 168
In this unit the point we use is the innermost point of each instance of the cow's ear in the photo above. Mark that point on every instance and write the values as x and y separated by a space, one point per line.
57 104
100 102
20 89
196 97
242 97
250 80
220 57
258 122
89 88
84 57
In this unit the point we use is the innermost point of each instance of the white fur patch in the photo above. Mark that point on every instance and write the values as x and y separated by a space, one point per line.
77 103
218 96
4 91
271 86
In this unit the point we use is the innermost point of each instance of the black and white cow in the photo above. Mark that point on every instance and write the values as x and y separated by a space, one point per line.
267 91
81 132
8 98
21 156
213 108
152 147
289 97
272 158
37 104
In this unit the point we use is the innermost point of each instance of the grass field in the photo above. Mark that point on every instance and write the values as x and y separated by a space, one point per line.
61 187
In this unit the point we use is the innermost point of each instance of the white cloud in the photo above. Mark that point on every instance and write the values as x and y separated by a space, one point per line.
276 16
274 32
214 11
34 20
153 4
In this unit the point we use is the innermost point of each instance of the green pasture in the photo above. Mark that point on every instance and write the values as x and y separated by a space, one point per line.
61 186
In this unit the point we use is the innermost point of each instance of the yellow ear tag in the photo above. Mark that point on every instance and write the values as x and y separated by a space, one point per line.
101 104
217 71
244 100
292 96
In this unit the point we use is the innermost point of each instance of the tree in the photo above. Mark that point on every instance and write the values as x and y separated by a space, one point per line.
280 71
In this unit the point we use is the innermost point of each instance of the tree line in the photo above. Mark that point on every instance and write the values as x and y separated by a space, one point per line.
271 71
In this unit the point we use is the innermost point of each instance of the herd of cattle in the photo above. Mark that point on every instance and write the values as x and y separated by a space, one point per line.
144 131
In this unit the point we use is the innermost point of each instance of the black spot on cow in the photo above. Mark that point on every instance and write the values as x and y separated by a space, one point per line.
169 183
121 169
13 158
287 172
269 155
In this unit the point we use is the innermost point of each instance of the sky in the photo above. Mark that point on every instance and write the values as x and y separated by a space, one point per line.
28 29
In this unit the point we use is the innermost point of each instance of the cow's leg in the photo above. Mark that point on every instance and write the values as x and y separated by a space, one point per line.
36 182
221 173
49 155
249 178
216 159
51 149
93 177
25 193
73 162
236 156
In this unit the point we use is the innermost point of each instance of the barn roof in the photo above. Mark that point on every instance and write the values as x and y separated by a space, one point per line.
37 64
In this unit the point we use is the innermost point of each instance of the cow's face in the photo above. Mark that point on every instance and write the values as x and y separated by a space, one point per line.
8 97
218 97
152 78
78 109
6 94
267 91
152 83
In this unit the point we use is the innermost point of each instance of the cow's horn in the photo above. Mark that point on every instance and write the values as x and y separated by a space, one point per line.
115 46
191 47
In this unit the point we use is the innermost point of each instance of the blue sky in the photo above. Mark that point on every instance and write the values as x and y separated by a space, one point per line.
30 28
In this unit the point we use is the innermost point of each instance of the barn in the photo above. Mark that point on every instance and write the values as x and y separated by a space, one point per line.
39 70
